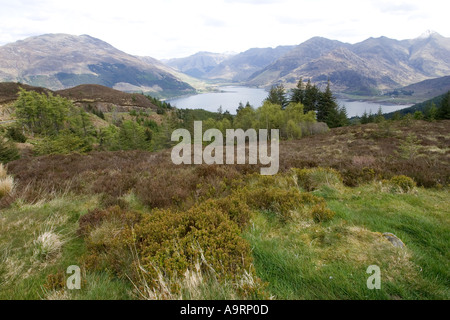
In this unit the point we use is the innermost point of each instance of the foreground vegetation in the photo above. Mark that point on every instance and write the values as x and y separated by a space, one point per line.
142 228
91 189
250 237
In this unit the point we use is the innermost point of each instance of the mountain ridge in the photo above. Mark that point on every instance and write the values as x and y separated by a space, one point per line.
59 61
388 63
371 67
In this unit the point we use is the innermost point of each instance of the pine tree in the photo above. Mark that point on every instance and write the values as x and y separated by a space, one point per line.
8 151
343 117
379 117
365 118
444 109
298 94
277 95
328 109
311 97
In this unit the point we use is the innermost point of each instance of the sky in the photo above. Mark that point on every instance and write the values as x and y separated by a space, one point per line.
166 29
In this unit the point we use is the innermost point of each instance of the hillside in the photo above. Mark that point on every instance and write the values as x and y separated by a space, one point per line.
101 97
59 61
9 91
304 53
240 67
422 107
199 64
105 99
365 67
374 65
224 232
424 89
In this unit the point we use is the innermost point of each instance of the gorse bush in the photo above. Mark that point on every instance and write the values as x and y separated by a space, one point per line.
321 213
402 184
313 179
166 241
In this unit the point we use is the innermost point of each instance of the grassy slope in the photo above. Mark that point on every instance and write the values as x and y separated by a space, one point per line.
308 261
24 271
299 259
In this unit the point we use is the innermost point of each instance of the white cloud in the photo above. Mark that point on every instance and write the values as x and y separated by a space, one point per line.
175 28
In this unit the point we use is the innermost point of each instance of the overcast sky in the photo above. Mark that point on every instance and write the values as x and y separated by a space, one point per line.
178 28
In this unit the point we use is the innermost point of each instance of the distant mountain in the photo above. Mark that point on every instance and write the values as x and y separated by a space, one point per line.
374 65
227 67
423 89
282 69
241 66
198 64
59 61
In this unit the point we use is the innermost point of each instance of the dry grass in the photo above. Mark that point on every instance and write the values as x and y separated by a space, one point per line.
47 245
6 182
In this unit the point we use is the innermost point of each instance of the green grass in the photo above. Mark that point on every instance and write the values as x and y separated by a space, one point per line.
297 258
24 274
305 260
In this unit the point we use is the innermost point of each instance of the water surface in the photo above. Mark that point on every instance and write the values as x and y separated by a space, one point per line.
230 97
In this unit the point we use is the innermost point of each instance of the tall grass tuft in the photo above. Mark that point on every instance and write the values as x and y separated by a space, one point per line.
6 182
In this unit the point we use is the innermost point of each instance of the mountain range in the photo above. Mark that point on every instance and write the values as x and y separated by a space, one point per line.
374 66
59 61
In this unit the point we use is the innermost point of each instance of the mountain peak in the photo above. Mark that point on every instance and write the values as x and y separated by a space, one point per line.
427 34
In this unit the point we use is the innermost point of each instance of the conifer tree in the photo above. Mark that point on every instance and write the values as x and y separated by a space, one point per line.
328 109
311 97
298 94
277 95
444 110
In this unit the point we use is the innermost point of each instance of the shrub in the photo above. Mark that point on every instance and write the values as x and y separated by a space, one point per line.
174 241
63 144
108 238
313 179
402 184
8 151
236 208
165 242
321 213
16 134
277 200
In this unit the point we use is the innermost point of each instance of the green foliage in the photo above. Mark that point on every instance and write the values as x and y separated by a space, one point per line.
402 184
431 112
42 114
64 143
418 115
444 109
379 116
276 200
245 117
321 213
409 148
132 136
15 133
8 151
166 242
277 95
313 179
